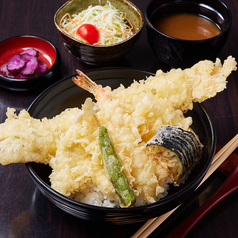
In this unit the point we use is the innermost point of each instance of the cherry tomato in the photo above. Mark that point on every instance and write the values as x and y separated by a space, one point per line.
89 33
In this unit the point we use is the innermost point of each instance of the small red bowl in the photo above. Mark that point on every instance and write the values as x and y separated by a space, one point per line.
48 54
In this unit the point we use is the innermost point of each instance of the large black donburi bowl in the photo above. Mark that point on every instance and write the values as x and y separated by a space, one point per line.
65 94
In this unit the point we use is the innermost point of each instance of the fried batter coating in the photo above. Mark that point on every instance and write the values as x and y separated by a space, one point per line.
25 139
68 142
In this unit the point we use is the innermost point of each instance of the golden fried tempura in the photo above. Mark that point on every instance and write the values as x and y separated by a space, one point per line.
68 142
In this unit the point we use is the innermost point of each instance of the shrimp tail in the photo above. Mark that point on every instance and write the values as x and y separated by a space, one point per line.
85 82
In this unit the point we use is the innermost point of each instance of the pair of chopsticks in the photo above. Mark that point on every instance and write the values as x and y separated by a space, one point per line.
218 159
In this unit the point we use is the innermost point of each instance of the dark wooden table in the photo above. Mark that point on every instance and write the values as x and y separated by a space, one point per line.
24 211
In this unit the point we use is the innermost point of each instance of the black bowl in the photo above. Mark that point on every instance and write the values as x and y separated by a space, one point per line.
47 54
180 53
65 94
93 54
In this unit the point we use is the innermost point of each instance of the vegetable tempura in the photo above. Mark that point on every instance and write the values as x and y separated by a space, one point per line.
69 141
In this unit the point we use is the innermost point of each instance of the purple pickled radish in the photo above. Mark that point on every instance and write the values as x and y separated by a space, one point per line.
27 57
5 71
16 63
30 66
42 67
30 51
24 65
20 76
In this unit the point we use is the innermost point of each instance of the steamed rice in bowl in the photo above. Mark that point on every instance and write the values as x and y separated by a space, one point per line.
132 118
93 196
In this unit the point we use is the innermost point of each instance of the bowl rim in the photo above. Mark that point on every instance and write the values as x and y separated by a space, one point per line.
149 24
54 194
100 46
23 80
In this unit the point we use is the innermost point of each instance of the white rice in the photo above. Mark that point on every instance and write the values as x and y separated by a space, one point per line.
92 196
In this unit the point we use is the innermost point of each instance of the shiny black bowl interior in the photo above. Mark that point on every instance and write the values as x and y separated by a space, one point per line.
65 94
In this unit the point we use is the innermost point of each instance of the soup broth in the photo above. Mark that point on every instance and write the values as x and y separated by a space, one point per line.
187 27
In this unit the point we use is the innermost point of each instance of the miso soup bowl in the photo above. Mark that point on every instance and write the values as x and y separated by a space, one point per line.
179 53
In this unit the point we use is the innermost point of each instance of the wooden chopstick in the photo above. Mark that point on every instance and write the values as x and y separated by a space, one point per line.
218 159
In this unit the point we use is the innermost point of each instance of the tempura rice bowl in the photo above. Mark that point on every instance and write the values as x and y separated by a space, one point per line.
65 94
